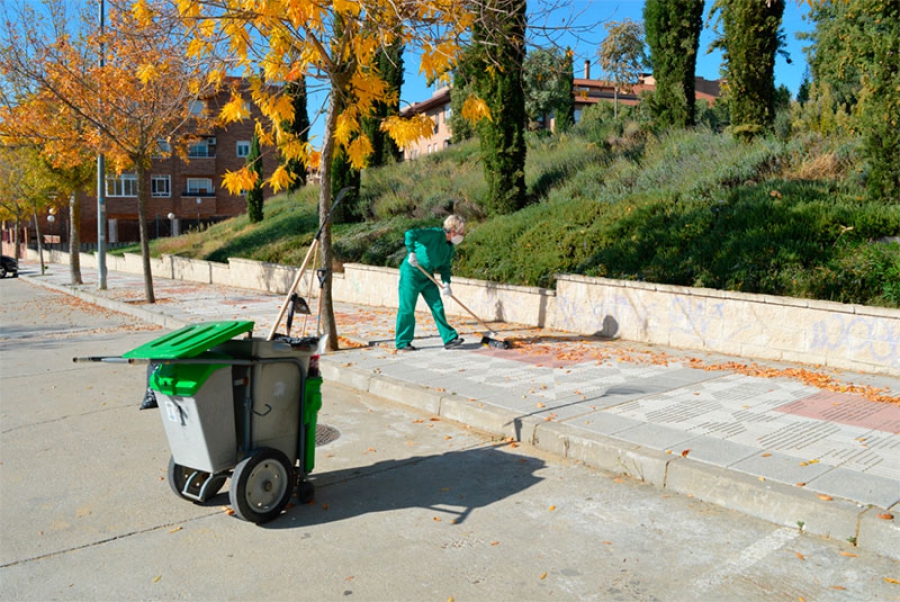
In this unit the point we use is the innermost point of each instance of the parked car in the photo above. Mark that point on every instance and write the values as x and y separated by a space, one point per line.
8 267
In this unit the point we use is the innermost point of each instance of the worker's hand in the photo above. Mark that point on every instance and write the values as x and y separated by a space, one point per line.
413 261
445 290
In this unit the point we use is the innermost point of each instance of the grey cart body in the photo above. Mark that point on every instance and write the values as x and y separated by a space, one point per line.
243 408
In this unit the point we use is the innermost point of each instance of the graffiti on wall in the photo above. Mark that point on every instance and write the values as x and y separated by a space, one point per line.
853 336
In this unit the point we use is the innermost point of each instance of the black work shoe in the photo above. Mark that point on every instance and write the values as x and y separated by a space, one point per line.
408 348
454 343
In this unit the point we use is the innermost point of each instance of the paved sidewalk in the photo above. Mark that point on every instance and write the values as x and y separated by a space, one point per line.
801 446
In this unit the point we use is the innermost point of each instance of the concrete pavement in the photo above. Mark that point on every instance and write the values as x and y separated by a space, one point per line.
801 446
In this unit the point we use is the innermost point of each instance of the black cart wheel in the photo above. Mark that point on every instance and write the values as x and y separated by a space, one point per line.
306 492
261 485
192 484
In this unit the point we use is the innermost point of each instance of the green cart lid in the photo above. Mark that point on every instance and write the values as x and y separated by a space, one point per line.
185 379
190 341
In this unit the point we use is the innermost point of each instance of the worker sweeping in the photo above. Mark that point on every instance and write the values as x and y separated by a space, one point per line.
431 249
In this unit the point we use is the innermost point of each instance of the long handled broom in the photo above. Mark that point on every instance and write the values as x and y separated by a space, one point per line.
490 338
315 243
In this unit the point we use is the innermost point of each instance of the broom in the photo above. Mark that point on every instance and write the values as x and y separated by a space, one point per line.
490 338
315 243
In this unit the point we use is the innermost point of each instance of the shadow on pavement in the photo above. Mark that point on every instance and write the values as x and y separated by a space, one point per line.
452 485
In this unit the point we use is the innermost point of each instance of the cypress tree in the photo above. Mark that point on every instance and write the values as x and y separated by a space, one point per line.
384 150
300 127
565 110
752 37
672 31
499 52
255 194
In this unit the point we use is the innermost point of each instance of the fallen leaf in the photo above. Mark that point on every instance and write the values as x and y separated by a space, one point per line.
825 498
229 511
767 455
840 587
324 506
886 516
800 556
447 437
176 529
495 543
685 453
607 543
445 489
539 405
762 478
544 576
437 519
371 449
157 578
552 508
668 452
894 581
848 554
801 484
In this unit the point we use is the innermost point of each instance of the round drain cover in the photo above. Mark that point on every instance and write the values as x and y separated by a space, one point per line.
326 434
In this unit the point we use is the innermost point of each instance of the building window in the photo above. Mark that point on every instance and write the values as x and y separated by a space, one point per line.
577 116
199 186
196 108
123 185
448 112
203 149
163 149
161 186
243 148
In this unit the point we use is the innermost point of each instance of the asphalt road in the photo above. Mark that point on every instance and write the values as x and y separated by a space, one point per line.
407 507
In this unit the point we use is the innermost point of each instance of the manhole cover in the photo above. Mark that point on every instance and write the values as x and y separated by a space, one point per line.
326 434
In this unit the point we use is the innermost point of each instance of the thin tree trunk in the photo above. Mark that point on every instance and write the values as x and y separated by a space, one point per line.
328 322
75 238
40 242
145 238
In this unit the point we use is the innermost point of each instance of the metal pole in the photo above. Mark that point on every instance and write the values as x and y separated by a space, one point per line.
101 182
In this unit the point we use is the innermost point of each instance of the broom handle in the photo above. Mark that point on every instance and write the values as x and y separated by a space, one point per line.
309 253
460 303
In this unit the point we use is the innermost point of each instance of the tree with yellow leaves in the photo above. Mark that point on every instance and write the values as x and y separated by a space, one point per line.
337 43
140 95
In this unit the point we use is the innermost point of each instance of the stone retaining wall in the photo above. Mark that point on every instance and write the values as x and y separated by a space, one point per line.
852 337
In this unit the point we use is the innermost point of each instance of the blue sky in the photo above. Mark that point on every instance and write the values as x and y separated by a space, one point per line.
597 12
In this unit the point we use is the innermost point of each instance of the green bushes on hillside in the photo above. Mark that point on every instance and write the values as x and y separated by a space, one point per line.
685 207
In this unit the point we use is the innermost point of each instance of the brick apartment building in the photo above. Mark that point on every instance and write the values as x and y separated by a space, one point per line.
587 92
183 194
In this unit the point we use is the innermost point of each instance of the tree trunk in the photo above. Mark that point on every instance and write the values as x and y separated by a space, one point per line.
75 239
40 242
142 225
328 323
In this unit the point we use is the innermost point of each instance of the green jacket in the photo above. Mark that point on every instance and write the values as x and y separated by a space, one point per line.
432 250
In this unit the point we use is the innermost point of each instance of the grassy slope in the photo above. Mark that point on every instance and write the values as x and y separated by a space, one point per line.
693 208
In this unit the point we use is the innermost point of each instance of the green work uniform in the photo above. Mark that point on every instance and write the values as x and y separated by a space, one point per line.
434 254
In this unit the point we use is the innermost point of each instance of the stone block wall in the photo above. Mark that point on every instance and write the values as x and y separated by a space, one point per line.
851 337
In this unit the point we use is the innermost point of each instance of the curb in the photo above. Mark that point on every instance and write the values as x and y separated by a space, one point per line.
780 504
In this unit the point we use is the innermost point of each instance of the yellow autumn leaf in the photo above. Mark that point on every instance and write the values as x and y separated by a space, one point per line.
894 581
347 7
281 179
475 109
359 150
147 73
236 181
235 110
406 131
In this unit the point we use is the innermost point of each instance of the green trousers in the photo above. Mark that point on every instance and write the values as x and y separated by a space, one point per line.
412 283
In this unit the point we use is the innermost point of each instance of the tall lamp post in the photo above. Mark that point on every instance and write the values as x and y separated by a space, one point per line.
101 183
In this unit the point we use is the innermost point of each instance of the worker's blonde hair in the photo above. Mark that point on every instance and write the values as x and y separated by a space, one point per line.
455 222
